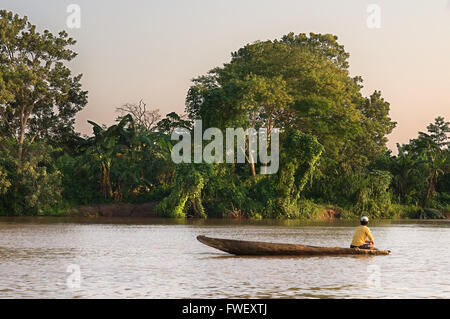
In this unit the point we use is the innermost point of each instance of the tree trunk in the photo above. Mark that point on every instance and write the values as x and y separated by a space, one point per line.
23 124
21 140
252 164
430 189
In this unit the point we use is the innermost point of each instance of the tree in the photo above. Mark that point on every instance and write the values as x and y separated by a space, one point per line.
31 186
101 151
263 104
299 157
376 125
264 100
5 183
126 158
324 101
5 96
408 176
141 116
431 150
40 96
171 122
438 132
185 198
321 44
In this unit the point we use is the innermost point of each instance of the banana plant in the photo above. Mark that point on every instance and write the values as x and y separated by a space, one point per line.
126 157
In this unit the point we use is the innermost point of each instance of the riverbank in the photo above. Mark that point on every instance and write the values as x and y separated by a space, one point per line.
308 210
143 210
148 210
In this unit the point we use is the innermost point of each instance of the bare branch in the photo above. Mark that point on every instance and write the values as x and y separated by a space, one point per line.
143 117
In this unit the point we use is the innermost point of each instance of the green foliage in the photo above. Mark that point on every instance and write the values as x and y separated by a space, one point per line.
409 181
376 126
226 194
262 99
33 185
186 196
79 183
309 209
404 211
127 160
430 213
443 201
298 82
372 195
5 183
422 167
299 157
332 142
215 189
279 194
38 96
171 122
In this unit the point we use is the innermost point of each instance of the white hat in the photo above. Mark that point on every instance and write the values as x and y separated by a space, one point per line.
365 219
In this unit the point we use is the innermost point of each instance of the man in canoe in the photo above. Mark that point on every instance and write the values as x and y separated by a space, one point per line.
361 233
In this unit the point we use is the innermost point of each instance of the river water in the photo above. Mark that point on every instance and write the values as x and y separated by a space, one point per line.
154 258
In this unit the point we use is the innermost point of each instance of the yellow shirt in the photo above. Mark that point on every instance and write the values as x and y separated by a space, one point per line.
361 232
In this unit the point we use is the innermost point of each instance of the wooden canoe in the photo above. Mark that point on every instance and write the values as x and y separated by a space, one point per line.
255 248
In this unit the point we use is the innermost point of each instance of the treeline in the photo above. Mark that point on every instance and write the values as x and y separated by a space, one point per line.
332 144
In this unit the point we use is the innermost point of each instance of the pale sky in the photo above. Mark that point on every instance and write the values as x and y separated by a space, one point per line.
141 49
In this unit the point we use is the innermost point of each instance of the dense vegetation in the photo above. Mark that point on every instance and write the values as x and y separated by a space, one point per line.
332 144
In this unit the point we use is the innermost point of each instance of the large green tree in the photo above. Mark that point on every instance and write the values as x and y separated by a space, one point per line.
324 100
38 95
429 162
432 148
376 125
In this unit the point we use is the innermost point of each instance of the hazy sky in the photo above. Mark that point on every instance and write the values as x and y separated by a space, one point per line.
136 49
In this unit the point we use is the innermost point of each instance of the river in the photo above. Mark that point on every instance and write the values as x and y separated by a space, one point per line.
157 258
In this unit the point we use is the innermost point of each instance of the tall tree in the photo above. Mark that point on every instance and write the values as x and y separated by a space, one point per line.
438 132
376 125
264 104
171 122
42 95
409 176
325 100
432 149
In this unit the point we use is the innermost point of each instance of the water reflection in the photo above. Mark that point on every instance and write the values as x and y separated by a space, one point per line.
285 257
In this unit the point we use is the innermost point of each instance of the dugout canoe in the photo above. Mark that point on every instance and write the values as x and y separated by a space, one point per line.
256 248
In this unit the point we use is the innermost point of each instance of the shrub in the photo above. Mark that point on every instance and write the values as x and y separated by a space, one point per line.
35 183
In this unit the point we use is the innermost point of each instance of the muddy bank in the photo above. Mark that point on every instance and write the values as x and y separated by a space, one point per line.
148 210
115 210
329 213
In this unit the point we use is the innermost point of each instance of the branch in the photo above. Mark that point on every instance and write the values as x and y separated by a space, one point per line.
35 135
